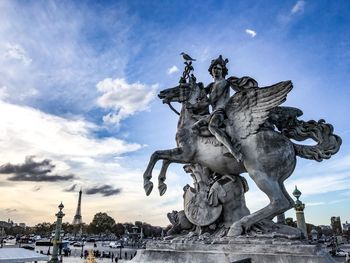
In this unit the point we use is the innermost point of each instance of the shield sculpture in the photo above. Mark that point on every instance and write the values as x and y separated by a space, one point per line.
197 209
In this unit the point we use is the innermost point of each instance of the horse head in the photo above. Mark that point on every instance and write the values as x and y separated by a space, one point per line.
180 93
184 92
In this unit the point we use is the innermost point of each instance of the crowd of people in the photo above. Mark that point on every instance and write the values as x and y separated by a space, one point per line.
114 257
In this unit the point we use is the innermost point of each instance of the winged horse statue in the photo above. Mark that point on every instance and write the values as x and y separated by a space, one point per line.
264 131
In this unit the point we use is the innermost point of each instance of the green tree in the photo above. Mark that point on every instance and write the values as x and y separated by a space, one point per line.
290 222
15 230
128 227
44 229
147 230
138 224
119 229
102 223
67 228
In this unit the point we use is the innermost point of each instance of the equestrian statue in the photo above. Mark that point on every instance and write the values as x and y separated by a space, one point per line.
225 136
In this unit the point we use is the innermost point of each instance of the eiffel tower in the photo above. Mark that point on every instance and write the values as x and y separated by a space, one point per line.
77 221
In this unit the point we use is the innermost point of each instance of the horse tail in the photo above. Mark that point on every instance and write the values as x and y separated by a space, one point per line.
327 143
285 119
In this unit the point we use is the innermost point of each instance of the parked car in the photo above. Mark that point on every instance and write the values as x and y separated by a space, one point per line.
43 243
341 253
77 244
112 245
27 247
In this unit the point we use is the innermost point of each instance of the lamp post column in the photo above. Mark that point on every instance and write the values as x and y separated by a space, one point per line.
299 211
82 249
56 240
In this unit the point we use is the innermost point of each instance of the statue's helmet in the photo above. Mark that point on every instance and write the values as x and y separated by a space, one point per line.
219 61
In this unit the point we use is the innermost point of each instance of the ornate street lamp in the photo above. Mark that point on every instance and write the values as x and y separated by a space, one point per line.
120 251
50 241
56 240
82 248
299 211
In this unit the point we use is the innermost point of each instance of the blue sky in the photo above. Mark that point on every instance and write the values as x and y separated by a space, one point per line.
78 85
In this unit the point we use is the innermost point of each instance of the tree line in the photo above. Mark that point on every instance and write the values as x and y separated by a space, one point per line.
101 224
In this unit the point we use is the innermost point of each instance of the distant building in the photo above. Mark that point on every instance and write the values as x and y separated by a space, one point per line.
326 230
336 225
314 234
325 227
23 225
4 224
346 226
2 232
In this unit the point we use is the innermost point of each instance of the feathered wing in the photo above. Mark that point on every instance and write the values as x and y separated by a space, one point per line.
249 108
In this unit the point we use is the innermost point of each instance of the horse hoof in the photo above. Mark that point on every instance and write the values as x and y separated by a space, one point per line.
235 230
148 187
162 189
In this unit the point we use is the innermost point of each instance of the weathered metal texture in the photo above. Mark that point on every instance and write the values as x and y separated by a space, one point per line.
197 209
251 133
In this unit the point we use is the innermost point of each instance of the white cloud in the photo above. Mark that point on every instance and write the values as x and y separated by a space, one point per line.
3 93
341 164
123 98
315 203
60 57
173 70
320 184
250 32
255 198
26 131
13 51
298 7
73 148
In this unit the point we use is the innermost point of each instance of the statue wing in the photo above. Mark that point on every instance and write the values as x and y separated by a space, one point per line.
249 108
245 82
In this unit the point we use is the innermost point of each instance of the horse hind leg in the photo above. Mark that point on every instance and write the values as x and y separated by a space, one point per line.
291 201
286 194
162 187
279 203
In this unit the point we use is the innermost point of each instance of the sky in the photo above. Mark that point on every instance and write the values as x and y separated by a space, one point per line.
79 108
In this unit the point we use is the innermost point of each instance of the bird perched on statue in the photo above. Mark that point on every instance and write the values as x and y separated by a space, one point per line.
187 57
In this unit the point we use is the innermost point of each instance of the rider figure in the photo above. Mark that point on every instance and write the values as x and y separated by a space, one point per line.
219 94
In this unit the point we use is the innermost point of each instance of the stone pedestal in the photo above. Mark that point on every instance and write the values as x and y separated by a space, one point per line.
301 224
230 250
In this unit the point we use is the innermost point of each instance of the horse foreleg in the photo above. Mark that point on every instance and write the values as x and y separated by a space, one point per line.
177 155
162 176
170 155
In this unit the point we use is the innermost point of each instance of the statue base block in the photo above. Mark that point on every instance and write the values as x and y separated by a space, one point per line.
229 250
